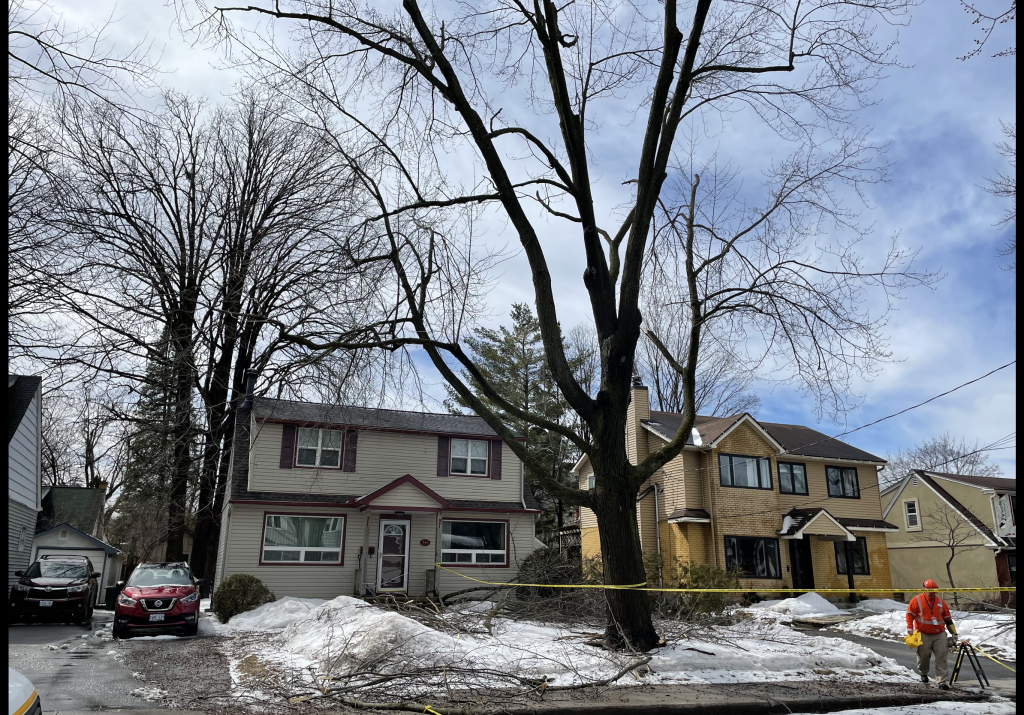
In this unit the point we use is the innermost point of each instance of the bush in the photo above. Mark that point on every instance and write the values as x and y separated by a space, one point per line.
686 574
239 593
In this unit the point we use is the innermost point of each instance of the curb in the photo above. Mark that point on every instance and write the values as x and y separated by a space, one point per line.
759 706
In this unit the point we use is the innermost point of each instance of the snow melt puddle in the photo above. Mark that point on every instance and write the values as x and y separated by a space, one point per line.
341 635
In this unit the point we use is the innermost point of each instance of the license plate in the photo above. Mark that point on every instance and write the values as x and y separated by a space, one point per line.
156 617
46 603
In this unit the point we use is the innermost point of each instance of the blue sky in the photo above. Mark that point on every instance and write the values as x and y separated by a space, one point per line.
939 117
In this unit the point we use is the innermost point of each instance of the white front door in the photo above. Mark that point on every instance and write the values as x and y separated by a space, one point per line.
393 555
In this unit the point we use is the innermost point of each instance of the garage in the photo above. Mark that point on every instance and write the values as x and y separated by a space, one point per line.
66 540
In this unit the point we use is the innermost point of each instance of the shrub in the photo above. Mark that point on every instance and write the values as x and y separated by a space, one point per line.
239 593
686 574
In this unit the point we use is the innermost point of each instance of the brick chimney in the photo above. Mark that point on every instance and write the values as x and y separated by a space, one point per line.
639 409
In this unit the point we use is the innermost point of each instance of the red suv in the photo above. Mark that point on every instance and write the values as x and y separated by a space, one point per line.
157 597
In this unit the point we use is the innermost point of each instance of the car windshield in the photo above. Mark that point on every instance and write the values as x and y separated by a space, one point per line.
58 569
160 576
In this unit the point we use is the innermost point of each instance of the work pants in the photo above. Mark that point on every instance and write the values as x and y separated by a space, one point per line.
933 643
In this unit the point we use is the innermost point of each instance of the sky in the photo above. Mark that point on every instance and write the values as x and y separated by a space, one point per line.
939 118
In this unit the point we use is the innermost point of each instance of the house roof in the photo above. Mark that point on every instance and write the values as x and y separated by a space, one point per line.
399 420
107 548
689 515
966 513
79 507
874 524
20 391
796 520
1000 484
795 439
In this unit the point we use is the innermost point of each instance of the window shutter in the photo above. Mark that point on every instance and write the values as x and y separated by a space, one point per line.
443 446
351 441
496 459
287 446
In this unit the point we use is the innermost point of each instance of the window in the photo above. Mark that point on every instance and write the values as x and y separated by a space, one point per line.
152 576
591 481
469 456
302 539
755 556
318 448
859 549
792 478
1011 563
473 542
62 535
842 482
749 472
913 518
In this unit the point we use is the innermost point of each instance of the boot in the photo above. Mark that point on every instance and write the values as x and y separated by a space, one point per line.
924 678
943 686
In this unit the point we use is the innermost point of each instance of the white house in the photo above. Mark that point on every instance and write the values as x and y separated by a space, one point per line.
24 469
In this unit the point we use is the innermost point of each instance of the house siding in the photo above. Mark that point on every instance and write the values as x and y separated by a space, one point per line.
869 506
23 466
19 548
246 532
381 458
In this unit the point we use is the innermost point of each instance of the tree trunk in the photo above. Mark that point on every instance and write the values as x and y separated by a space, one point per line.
629 612
181 431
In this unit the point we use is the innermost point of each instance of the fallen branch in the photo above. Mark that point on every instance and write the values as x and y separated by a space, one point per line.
607 681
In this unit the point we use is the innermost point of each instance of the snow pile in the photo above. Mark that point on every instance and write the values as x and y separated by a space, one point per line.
150 694
994 633
351 631
881 605
273 616
940 708
806 605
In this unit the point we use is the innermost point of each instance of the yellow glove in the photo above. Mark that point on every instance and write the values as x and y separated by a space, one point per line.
952 628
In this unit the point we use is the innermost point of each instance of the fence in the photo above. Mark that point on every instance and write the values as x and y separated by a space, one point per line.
568 540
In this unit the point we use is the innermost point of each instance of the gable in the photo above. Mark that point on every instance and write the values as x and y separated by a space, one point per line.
404 496
744 438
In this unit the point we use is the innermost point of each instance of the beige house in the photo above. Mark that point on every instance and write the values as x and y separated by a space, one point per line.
789 506
932 510
329 500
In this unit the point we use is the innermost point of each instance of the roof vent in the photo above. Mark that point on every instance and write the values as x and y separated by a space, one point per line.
913 482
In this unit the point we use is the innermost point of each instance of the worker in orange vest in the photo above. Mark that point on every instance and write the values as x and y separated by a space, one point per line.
929 615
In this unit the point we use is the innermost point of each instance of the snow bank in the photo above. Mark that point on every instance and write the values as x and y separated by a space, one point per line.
995 633
940 708
347 630
273 616
805 605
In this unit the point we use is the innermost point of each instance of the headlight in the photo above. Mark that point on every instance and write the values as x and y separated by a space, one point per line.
125 601
191 598
22 587
77 589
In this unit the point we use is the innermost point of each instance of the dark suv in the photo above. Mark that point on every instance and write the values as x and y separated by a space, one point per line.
55 587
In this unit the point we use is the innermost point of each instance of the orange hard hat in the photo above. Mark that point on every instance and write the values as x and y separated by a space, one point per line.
930 584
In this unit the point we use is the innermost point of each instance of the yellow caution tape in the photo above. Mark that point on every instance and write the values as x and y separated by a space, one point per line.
994 660
643 587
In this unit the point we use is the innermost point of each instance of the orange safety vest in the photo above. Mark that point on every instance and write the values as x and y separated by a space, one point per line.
928 617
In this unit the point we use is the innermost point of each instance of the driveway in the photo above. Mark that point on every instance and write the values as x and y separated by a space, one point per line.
1003 682
79 668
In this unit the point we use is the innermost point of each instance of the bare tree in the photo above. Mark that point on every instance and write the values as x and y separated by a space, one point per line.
1005 186
987 22
945 453
411 94
723 385
945 527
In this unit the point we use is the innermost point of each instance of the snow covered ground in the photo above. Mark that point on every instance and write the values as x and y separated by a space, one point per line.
336 637
944 708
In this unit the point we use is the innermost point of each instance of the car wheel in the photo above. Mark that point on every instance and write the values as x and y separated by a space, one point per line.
192 630
121 633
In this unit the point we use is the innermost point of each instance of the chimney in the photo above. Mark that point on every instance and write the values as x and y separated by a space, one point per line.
250 388
639 409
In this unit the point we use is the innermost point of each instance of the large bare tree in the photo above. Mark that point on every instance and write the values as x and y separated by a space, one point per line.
450 114
945 453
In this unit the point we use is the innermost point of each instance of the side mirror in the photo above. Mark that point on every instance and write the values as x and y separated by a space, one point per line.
200 582
119 585
19 574
95 574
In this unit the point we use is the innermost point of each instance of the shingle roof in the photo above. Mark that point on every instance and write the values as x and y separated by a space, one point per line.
795 439
851 523
1000 484
399 420
20 391
79 507
689 514
964 511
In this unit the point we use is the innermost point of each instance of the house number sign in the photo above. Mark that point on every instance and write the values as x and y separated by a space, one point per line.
424 542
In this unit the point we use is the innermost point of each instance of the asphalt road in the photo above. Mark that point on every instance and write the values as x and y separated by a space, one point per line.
80 668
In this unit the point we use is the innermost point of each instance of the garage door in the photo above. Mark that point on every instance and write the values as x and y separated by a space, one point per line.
97 557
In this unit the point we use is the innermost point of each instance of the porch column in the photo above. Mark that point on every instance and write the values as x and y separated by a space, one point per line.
364 557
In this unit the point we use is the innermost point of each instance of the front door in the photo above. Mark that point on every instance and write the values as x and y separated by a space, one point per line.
800 563
393 555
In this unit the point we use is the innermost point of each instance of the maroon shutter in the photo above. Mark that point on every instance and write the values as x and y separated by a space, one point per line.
351 441
443 447
287 446
496 459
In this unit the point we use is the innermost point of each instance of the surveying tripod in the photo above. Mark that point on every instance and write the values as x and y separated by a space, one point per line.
966 650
